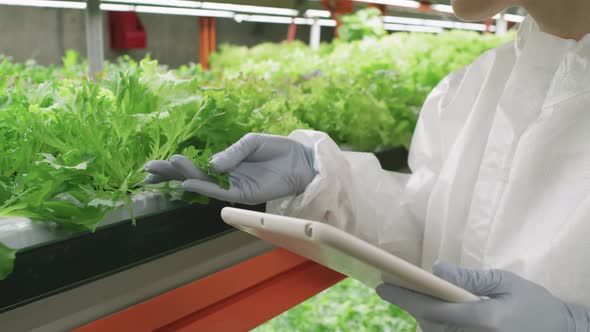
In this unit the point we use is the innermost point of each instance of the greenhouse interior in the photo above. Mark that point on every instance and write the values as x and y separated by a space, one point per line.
291 165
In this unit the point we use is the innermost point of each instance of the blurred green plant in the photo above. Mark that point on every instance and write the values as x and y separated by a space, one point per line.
347 306
366 93
364 23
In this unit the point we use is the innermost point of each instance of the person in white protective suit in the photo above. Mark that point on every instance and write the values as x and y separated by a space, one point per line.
499 184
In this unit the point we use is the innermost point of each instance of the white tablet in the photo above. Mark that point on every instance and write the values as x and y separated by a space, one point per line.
343 252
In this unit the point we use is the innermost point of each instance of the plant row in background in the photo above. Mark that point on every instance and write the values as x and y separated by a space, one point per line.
71 148
346 306
365 94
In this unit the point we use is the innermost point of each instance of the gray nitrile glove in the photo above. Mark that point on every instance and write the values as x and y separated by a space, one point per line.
261 168
514 305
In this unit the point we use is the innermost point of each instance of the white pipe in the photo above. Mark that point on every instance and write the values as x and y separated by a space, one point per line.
251 9
443 8
412 28
183 11
166 3
399 3
514 18
94 44
315 35
44 3
501 26
435 23
313 13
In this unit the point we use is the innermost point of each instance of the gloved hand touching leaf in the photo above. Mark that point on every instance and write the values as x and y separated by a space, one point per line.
514 305
260 167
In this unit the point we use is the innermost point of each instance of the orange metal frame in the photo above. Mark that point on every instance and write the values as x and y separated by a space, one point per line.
236 299
291 34
488 24
338 8
207 40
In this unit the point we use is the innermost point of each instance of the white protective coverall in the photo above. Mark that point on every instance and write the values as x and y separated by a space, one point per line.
500 164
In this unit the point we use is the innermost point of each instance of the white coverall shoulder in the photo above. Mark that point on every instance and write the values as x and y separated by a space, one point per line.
500 166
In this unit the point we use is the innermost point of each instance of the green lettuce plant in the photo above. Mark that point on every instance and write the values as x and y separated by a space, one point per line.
73 149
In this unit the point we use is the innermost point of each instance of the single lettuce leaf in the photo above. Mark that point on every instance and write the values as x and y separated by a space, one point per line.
200 159
7 256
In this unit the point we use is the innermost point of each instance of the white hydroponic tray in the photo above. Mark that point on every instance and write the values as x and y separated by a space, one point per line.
19 233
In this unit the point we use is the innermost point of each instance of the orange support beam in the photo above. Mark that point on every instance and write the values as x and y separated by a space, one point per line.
488 23
292 31
207 40
338 8
236 299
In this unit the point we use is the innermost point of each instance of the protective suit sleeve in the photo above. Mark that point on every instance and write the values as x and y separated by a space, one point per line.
353 193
